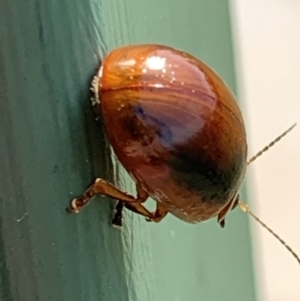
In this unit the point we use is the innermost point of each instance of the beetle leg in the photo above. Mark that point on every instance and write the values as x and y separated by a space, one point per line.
103 187
142 196
159 213
134 207
140 209
156 216
222 214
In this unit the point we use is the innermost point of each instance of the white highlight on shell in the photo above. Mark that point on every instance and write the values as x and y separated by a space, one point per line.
128 63
100 72
158 85
156 63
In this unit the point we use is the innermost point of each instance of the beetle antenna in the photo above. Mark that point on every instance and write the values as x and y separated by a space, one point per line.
246 209
271 144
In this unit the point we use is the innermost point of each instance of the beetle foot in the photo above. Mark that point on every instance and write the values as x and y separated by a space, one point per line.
148 219
76 205
157 217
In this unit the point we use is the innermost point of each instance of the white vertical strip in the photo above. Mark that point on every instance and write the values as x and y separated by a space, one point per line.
267 39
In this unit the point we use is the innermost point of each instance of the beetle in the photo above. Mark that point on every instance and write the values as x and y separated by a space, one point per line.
176 128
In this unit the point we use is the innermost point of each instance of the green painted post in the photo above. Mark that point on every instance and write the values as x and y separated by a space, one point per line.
51 149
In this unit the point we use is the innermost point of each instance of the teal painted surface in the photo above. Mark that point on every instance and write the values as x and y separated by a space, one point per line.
51 149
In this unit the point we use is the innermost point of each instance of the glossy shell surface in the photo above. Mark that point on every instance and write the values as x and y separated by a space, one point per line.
175 126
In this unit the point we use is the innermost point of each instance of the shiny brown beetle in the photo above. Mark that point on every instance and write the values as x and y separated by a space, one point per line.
178 131
176 128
